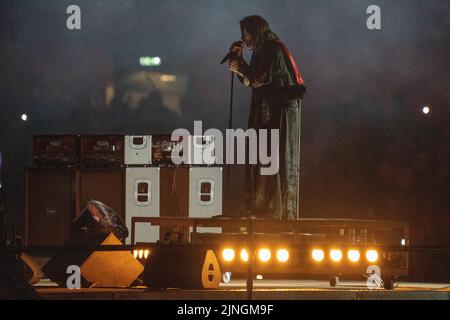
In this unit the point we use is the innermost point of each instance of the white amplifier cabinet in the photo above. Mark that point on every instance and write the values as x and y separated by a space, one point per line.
138 150
205 194
142 199
201 150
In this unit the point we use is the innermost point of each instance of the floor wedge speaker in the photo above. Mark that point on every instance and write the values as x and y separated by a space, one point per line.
100 268
184 269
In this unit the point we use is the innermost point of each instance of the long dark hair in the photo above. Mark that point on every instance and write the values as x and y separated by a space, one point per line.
259 29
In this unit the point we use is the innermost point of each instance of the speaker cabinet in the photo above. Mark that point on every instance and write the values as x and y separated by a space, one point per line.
138 150
142 200
49 205
102 184
184 269
100 268
205 194
113 268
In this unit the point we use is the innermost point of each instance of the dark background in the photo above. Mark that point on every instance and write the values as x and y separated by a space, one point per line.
368 151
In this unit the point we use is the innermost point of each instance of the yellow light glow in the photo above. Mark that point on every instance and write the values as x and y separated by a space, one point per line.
282 255
353 255
336 255
168 78
264 255
318 255
228 254
141 253
146 253
372 255
135 253
244 255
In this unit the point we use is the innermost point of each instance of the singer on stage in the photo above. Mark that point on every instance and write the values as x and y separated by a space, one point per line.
270 71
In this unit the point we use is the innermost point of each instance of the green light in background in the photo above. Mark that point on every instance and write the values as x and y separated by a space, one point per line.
150 61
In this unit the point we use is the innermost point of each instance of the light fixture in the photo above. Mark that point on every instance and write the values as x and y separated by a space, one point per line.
228 254
244 255
168 78
336 255
372 255
264 255
353 255
282 255
318 255
141 253
24 117
150 61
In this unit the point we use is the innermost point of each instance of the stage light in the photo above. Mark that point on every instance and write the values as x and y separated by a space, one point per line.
318 255
228 254
150 61
372 255
336 255
426 110
244 255
264 255
353 255
168 78
282 255
24 117
141 253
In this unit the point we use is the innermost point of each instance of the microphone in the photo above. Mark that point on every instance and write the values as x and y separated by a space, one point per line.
231 54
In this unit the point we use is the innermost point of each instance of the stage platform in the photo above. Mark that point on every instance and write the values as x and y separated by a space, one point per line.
264 290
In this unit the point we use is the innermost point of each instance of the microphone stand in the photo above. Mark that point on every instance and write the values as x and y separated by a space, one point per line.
228 166
299 119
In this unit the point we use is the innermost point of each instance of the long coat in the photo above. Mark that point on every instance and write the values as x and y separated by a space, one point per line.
271 68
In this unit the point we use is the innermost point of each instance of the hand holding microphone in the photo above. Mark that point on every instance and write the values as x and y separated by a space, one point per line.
235 52
237 47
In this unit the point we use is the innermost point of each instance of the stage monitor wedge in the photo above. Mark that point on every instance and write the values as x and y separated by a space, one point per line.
184 269
113 268
100 268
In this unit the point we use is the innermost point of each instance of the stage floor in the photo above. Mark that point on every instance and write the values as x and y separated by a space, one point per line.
264 290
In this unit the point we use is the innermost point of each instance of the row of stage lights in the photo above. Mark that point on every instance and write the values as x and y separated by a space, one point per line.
264 255
141 254
318 255
282 255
